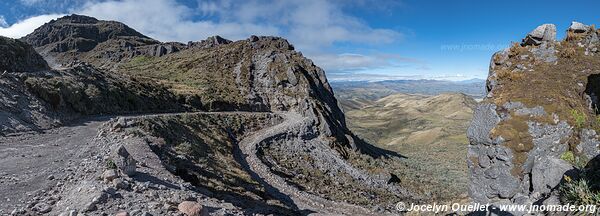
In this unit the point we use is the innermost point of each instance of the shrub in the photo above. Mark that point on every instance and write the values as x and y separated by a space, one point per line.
578 192
505 75
569 52
578 161
516 49
578 117
110 164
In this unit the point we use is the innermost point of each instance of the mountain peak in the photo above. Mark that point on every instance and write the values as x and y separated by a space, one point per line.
76 18
80 33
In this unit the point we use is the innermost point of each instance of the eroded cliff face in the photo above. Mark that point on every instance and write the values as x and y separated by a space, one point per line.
540 106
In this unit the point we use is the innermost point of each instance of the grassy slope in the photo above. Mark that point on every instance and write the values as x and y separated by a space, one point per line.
429 130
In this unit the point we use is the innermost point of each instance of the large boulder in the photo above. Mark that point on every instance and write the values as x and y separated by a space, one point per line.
547 173
190 208
578 27
543 33
124 161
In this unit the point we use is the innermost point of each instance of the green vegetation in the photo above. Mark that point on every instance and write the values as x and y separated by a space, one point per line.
200 147
579 118
577 161
110 164
140 60
579 192
221 77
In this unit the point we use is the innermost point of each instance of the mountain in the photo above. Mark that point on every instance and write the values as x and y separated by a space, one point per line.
257 74
101 43
380 89
474 80
538 122
211 127
428 130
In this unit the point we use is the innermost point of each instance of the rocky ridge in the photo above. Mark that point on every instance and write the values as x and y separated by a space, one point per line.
19 56
540 108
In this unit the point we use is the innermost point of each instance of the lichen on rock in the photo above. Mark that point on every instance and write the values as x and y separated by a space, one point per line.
540 105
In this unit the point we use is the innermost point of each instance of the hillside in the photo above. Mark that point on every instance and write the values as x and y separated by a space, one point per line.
375 90
218 127
428 130
538 122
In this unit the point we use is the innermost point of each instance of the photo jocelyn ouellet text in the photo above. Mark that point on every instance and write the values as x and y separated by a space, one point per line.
478 207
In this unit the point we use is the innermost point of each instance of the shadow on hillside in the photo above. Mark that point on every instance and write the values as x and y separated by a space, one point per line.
366 148
271 190
145 177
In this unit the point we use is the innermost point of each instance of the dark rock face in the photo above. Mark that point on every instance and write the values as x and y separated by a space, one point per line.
45 99
210 42
101 43
521 130
17 56
87 90
78 33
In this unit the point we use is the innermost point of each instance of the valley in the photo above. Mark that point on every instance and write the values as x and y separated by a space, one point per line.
428 130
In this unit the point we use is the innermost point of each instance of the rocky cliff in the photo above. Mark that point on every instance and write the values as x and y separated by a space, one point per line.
539 119
256 74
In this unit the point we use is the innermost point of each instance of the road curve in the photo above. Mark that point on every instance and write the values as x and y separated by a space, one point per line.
27 160
302 200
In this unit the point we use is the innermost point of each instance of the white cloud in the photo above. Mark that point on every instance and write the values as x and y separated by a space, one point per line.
27 26
309 24
313 26
30 2
359 63
166 20
3 22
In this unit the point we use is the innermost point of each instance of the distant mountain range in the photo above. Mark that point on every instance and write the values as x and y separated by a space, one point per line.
375 90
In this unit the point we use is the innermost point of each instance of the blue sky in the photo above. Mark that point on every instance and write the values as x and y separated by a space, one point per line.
351 40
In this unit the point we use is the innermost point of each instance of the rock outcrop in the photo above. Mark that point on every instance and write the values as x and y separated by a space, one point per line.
539 107
543 33
17 56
